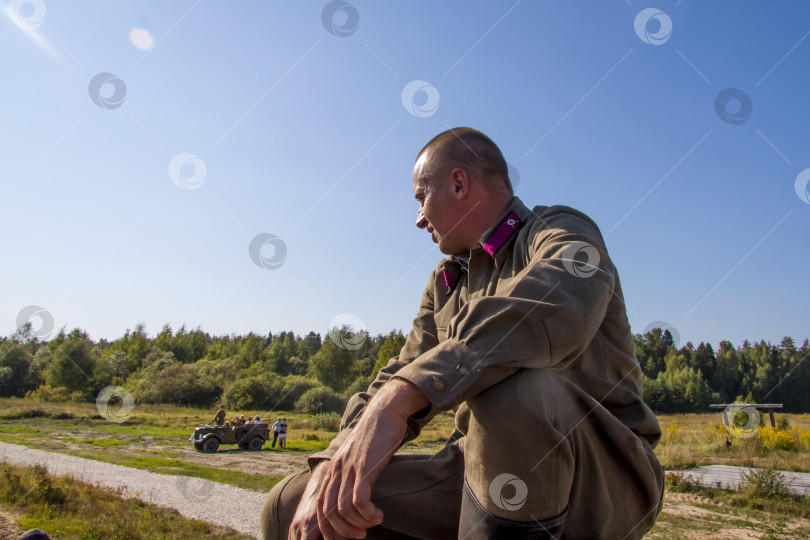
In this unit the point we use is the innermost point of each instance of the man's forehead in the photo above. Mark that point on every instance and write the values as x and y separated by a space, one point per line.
420 170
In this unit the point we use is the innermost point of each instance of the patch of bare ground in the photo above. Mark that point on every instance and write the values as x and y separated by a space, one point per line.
267 462
8 531
691 516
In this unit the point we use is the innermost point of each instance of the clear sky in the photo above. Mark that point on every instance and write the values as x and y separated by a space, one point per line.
146 144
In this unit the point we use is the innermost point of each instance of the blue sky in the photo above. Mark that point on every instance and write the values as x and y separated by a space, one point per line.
301 131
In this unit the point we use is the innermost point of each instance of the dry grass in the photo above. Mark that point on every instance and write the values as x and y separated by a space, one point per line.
65 508
700 439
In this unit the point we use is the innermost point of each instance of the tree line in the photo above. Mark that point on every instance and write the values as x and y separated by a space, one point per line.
690 378
312 374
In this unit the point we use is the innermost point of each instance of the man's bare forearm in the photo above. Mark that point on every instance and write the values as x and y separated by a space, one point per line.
400 397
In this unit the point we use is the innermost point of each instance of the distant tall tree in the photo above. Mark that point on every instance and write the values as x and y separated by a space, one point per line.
390 348
281 350
310 345
704 360
252 350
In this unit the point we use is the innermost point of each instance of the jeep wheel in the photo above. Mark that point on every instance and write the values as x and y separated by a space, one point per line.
256 443
211 445
199 447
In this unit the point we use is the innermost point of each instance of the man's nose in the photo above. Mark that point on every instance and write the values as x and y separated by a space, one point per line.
421 222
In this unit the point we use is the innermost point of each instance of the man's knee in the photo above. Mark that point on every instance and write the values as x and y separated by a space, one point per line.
280 505
520 463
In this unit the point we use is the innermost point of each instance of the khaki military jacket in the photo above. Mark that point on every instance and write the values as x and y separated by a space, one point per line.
539 293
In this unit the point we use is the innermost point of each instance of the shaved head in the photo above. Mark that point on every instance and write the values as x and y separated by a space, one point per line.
469 149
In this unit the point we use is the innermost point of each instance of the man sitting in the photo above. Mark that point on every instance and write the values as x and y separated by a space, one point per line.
523 331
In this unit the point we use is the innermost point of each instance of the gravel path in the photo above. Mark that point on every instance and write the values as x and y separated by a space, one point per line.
193 497
732 477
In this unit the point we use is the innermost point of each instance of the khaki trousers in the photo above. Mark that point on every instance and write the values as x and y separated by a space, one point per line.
536 447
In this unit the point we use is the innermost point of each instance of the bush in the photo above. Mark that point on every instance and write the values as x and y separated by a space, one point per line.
804 437
50 393
359 385
765 484
320 400
14 371
257 392
670 434
295 386
178 384
327 421
72 366
771 439
782 423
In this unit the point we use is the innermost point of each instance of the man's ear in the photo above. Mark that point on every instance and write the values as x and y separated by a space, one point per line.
460 183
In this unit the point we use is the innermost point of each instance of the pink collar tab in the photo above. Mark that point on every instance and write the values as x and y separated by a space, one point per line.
452 275
448 279
502 233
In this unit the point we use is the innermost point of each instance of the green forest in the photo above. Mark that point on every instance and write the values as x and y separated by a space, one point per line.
309 374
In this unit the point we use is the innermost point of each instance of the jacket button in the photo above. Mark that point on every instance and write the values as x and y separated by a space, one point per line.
464 370
438 384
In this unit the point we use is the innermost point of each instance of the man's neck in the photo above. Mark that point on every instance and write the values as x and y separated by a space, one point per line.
492 210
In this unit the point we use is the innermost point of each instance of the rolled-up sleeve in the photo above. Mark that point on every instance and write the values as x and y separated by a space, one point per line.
543 316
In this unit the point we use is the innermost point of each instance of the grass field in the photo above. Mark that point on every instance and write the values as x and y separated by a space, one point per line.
690 440
155 438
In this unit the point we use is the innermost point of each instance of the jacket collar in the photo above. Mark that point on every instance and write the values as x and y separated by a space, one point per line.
491 242
504 229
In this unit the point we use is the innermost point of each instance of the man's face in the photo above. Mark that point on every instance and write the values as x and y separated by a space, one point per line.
438 209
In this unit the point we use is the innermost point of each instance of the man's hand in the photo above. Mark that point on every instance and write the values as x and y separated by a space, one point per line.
344 507
304 525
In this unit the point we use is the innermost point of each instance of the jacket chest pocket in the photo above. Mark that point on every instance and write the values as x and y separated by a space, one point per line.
444 316
447 300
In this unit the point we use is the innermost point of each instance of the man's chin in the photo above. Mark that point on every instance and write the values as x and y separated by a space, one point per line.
447 250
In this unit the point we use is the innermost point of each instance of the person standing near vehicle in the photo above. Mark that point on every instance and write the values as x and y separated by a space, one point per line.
282 434
219 418
276 428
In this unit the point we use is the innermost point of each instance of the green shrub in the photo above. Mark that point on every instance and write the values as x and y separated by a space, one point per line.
295 386
257 392
178 384
359 385
327 421
765 484
320 400
72 366
15 376
50 393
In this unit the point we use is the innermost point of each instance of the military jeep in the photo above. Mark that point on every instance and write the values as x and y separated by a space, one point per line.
207 438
